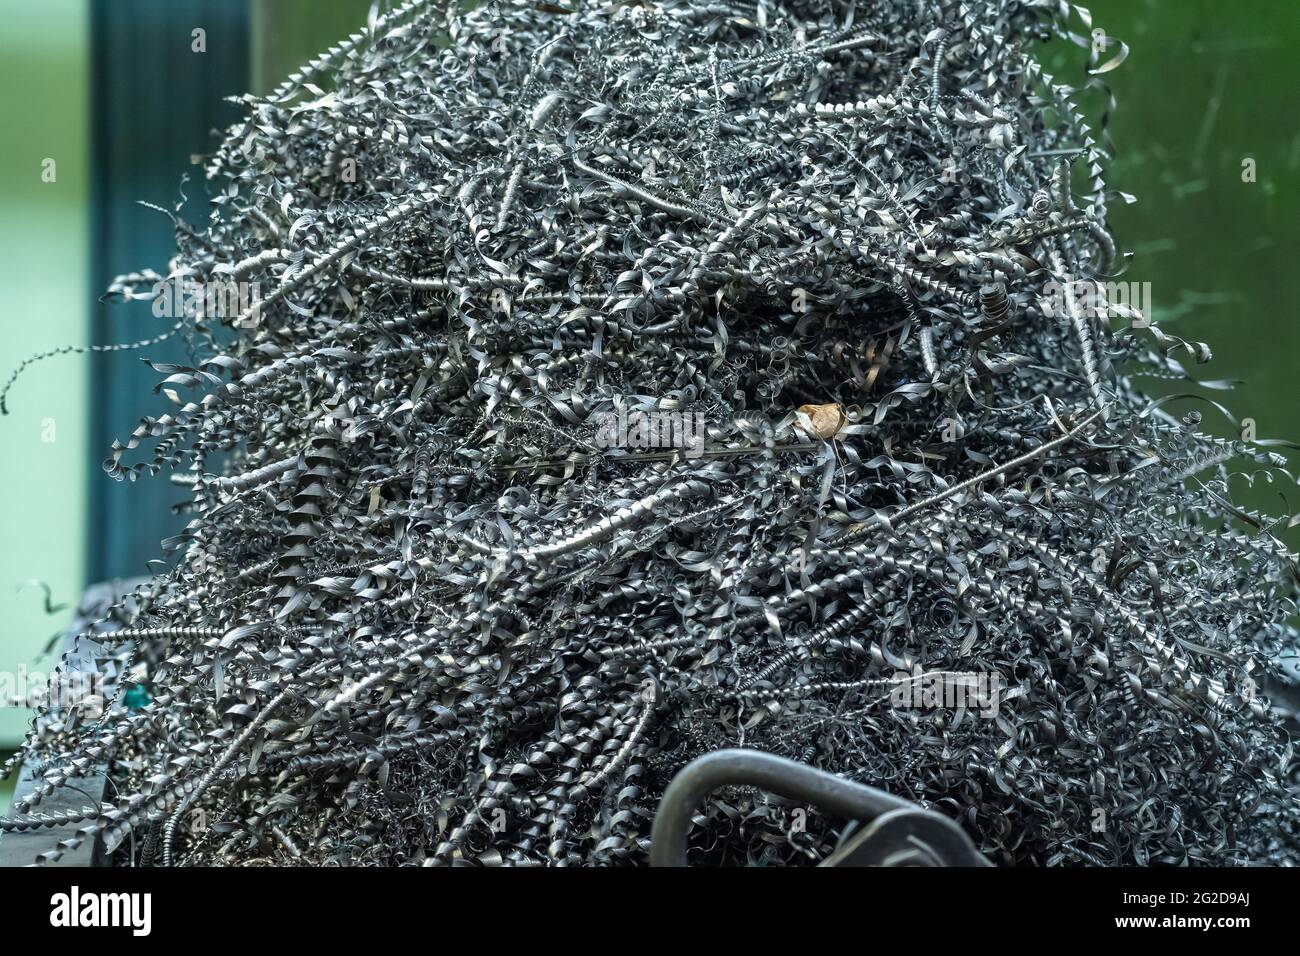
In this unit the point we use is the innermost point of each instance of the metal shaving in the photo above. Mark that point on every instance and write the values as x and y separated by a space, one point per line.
426 611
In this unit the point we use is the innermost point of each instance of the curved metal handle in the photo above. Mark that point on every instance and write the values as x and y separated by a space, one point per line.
913 837
786 778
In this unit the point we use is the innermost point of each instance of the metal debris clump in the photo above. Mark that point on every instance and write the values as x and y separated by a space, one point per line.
445 599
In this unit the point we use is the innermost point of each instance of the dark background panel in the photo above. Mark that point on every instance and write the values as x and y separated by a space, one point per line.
156 103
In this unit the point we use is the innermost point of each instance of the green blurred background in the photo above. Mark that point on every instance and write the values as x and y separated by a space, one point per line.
1209 84
44 253
111 91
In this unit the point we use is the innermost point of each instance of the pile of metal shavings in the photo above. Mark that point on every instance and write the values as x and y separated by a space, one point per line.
424 614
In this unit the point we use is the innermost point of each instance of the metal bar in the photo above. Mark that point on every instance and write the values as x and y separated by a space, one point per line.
786 778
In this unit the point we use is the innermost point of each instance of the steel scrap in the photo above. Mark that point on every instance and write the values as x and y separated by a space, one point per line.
426 611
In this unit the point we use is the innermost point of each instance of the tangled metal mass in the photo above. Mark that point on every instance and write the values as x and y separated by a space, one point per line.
426 612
